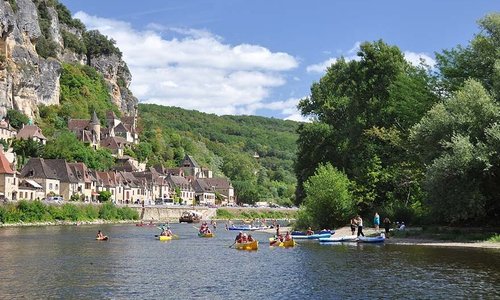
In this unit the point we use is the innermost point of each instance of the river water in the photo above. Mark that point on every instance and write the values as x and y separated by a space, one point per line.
66 262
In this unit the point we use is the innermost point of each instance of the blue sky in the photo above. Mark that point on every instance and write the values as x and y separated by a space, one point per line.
260 57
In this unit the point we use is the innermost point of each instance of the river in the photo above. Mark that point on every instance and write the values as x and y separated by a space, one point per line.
66 262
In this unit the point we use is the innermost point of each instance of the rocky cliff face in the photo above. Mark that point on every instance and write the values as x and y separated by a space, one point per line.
27 79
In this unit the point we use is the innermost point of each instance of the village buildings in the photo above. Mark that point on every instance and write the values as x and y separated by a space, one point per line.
128 181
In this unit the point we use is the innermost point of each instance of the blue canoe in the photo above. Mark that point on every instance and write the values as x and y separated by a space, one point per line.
246 228
376 239
316 232
312 237
339 239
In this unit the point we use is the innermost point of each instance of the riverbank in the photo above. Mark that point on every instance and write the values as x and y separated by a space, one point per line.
416 241
66 223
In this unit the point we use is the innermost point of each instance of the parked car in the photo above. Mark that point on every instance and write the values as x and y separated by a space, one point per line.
55 199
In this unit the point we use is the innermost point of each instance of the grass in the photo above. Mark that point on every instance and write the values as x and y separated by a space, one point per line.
494 238
254 214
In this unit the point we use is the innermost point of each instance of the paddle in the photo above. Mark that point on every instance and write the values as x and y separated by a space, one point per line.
232 244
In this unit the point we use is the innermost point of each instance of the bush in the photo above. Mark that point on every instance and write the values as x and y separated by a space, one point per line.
71 41
32 211
127 213
224 214
108 212
16 118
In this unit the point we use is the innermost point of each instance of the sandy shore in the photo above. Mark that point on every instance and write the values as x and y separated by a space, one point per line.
407 241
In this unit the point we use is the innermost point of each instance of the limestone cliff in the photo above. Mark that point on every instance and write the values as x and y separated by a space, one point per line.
32 49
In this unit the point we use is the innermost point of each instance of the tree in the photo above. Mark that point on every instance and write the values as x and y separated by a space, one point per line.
104 196
98 44
458 142
363 110
479 60
329 202
25 149
16 118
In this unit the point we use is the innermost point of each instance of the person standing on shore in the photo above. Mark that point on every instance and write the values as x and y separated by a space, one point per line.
387 226
359 221
376 222
354 224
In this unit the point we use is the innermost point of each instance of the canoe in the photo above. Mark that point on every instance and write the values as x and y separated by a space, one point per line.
286 244
247 246
312 237
339 239
246 228
102 239
375 239
206 235
164 238
294 233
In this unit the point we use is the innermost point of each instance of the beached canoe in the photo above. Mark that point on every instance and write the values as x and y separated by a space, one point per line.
102 239
247 246
375 239
273 242
312 236
206 235
294 233
339 239
164 238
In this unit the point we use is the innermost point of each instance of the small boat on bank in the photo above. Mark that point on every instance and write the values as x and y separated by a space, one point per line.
312 236
104 238
339 239
286 244
190 217
145 225
373 239
294 233
254 245
206 235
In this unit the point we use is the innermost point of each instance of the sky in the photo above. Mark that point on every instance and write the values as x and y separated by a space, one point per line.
260 57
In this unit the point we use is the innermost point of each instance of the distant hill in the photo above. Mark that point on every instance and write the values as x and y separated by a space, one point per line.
256 153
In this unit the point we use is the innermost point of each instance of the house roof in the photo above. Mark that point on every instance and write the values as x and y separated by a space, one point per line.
95 119
188 159
201 186
62 169
30 131
218 183
178 180
37 168
5 165
121 128
110 115
78 124
128 120
114 143
81 172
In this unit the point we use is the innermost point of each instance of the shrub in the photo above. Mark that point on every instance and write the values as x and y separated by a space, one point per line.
224 214
127 213
108 212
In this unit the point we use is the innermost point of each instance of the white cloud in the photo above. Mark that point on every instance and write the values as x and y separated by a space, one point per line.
416 58
322 66
194 69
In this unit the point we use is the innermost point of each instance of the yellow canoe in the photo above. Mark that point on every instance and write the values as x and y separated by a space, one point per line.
164 238
206 235
286 244
247 246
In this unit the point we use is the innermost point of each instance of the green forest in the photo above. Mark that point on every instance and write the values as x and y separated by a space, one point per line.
417 144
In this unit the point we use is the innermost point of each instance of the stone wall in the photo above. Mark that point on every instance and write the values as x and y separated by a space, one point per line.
171 213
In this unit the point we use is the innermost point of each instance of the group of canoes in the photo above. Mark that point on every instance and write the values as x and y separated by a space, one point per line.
326 236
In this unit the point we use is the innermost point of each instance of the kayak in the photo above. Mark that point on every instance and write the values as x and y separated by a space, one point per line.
286 244
206 235
246 228
375 239
312 237
164 238
339 239
102 239
247 246
316 232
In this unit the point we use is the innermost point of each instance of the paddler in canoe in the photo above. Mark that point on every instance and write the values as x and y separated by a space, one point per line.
166 232
100 236
204 229
309 231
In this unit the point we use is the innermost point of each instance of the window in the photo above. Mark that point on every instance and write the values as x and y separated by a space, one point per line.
50 186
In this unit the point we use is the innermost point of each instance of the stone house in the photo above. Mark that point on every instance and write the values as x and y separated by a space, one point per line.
8 179
85 185
183 185
204 194
222 186
68 181
37 170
